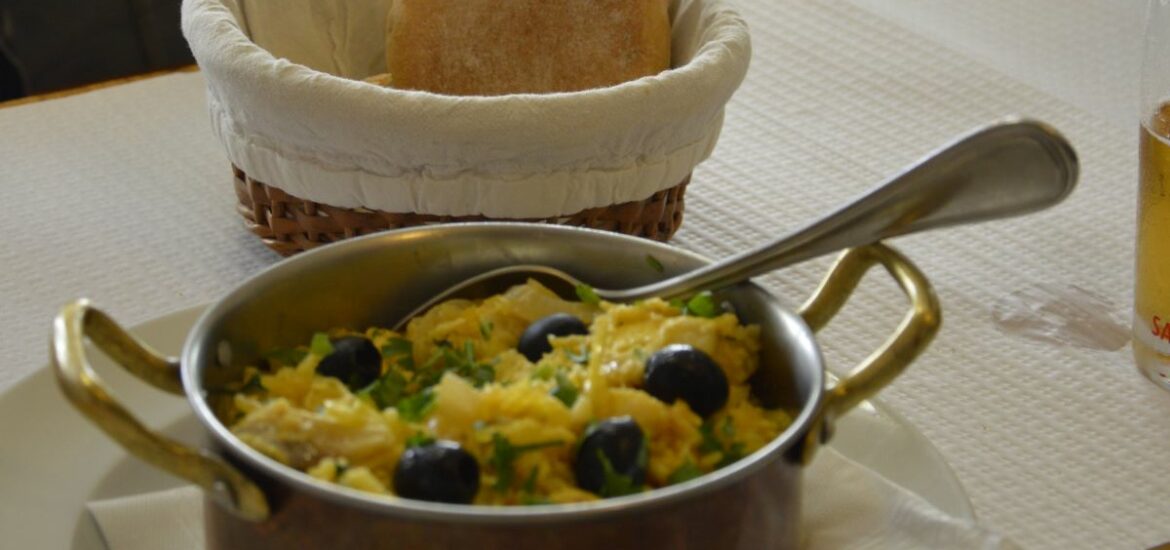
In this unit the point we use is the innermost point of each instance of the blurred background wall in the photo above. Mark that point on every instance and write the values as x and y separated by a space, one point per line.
48 45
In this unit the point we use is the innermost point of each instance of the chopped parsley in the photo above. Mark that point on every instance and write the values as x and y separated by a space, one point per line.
587 295
467 366
543 372
419 439
417 406
565 391
436 356
615 484
482 374
529 486
528 495
386 391
485 329
399 351
702 305
654 263
686 472
504 455
286 356
321 345
253 385
582 355
733 453
430 372
728 428
709 443
461 362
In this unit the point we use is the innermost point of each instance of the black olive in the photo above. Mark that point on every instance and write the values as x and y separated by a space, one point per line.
437 472
679 371
623 445
355 361
534 342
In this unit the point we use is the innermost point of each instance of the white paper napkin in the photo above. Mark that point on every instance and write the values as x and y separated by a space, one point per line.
158 521
850 507
846 506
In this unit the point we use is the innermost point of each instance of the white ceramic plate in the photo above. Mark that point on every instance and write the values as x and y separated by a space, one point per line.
54 461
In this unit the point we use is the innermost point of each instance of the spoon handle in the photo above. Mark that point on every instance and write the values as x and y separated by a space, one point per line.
1005 169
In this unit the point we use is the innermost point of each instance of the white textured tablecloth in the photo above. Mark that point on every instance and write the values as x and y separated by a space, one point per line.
122 195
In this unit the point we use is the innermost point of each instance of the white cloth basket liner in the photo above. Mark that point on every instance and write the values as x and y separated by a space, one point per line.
286 101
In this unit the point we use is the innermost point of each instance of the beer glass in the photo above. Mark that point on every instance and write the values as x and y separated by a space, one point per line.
1151 322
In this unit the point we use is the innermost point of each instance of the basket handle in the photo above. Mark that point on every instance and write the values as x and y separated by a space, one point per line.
913 334
82 386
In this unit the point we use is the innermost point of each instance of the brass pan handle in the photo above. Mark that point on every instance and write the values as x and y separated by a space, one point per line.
917 328
81 385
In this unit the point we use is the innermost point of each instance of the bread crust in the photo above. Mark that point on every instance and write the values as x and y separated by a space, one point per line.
493 47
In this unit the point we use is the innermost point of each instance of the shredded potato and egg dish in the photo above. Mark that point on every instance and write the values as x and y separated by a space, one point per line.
522 398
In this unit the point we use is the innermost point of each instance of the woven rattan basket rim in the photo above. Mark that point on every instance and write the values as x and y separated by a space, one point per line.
289 224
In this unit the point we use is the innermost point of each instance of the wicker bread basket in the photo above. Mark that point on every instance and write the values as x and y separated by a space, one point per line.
319 156
289 225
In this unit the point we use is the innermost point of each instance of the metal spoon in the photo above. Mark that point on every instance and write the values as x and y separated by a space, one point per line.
1005 169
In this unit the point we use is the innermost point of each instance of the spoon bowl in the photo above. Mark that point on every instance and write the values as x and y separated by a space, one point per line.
1005 169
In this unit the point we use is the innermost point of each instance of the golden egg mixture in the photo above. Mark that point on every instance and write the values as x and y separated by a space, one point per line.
523 398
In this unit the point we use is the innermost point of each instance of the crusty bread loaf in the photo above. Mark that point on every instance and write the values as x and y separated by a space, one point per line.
492 47
380 79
